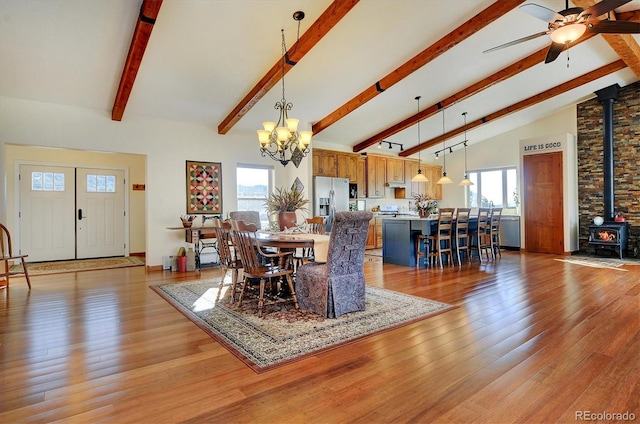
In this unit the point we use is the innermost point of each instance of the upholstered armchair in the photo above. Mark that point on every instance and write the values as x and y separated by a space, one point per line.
337 287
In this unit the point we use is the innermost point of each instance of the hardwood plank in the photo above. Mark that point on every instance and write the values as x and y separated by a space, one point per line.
532 340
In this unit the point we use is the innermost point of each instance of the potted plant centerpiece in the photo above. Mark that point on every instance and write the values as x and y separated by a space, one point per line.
285 203
425 205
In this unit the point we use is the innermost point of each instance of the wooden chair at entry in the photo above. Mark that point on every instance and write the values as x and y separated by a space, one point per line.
441 241
8 258
244 238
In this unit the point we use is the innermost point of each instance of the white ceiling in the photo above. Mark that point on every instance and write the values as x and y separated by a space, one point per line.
205 55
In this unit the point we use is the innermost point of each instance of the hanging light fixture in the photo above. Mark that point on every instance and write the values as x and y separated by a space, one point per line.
281 140
444 179
465 181
419 177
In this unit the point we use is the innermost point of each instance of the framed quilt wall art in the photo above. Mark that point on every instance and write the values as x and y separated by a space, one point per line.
204 187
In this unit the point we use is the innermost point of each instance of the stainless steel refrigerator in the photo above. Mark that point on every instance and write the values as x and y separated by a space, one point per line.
330 195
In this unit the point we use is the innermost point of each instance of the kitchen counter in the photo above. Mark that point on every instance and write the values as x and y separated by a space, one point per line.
398 235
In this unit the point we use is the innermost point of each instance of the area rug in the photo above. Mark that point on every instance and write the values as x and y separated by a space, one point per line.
608 263
40 268
284 335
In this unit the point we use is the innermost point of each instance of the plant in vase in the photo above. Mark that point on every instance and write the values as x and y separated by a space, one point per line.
285 203
425 205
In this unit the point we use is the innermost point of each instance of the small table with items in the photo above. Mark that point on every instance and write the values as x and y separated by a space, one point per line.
202 238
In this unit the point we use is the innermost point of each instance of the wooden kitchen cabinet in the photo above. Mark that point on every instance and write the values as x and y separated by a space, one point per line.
348 166
376 176
371 235
395 170
433 173
361 179
374 234
325 163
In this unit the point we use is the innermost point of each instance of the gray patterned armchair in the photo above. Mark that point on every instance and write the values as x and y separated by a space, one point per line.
337 287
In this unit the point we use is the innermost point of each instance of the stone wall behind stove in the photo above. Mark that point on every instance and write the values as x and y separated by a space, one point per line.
626 146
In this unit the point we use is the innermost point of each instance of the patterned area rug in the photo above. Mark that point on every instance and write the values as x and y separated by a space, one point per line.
40 268
609 263
283 334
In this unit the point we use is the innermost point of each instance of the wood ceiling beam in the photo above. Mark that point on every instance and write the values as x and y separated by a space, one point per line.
624 45
545 95
502 75
141 34
329 18
449 41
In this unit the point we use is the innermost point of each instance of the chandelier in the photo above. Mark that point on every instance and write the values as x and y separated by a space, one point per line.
281 140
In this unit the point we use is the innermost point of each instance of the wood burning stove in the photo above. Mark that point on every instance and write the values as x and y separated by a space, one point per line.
609 235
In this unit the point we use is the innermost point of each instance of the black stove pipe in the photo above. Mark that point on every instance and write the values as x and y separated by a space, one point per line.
607 96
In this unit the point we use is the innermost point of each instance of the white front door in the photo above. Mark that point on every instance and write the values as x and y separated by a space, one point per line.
47 207
100 218
71 213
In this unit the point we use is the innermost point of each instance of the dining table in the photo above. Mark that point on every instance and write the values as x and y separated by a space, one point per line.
290 241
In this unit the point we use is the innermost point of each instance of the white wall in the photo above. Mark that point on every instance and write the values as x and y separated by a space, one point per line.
166 144
500 151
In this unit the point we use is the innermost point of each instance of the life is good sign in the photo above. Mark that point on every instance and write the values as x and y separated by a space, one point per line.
542 147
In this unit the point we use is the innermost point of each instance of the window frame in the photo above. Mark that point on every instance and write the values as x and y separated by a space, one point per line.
508 200
264 217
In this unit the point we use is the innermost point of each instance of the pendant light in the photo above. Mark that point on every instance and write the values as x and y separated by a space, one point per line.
465 181
419 177
444 179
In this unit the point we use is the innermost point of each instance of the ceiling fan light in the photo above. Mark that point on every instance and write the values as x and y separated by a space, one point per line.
568 33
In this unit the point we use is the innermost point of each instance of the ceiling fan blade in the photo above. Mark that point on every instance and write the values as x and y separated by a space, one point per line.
603 7
614 27
541 12
518 41
554 51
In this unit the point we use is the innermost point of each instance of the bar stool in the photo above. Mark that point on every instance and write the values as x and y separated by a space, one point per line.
462 233
481 236
419 241
494 229
441 242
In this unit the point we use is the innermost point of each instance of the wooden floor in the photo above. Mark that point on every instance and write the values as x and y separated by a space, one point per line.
534 340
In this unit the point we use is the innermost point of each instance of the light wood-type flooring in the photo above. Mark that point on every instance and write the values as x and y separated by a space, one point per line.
533 340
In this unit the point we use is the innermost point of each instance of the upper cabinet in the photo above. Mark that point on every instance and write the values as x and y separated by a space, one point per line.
395 170
433 173
325 163
376 176
361 172
348 166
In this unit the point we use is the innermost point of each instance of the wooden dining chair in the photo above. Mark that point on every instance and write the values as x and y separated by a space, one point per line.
462 233
315 225
229 260
275 269
8 258
442 241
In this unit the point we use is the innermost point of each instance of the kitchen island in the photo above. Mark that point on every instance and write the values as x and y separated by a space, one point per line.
399 235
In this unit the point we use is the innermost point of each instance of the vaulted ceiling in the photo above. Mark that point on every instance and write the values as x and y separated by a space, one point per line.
358 64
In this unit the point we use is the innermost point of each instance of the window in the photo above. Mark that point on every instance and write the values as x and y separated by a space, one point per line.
47 181
253 185
495 187
101 183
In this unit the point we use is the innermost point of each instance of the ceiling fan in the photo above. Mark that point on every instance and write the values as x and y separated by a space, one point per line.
567 26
